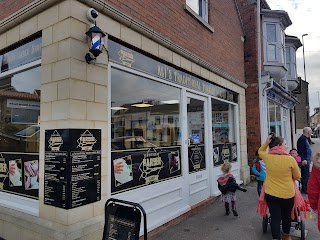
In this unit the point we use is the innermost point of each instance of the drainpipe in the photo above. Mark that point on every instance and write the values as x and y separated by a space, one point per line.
261 98
267 88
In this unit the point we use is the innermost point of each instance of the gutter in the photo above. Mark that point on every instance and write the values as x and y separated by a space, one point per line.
261 96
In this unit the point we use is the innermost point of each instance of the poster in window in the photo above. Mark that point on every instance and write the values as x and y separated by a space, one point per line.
224 152
19 174
216 155
141 167
196 157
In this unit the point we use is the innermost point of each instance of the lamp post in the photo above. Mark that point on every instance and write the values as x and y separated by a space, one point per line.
318 100
305 78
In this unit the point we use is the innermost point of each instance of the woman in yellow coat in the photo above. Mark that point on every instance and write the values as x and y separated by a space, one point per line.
279 190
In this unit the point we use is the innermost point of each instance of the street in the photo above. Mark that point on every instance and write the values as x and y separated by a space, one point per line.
211 223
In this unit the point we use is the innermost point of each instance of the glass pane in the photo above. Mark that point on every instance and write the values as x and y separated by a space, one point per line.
194 5
20 111
143 117
223 132
145 131
278 120
271 52
196 134
220 122
271 33
272 117
288 58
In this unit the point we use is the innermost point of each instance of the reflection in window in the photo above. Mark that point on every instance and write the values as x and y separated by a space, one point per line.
274 118
19 111
143 116
222 122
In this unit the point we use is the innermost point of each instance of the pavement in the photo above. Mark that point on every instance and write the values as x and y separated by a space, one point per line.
211 222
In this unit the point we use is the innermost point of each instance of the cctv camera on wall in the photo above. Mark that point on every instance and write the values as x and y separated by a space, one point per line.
92 14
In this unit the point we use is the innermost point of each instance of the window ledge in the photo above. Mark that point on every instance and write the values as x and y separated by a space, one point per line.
201 20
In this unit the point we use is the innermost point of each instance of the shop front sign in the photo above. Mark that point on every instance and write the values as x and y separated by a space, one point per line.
135 60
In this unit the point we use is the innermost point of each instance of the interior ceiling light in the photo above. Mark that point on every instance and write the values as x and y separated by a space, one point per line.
118 108
142 105
169 101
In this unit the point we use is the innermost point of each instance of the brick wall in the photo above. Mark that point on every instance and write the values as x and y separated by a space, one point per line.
10 6
248 14
222 48
300 109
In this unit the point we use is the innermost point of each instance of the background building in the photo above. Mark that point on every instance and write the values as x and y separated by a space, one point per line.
167 102
270 70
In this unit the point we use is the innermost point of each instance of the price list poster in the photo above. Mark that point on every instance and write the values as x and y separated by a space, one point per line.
72 167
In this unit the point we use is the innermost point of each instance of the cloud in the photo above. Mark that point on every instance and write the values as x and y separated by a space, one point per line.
304 15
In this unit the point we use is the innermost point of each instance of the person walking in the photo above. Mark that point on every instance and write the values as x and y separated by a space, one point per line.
279 188
228 186
259 170
305 152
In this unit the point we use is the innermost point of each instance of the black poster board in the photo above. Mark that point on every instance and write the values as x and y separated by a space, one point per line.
196 156
19 173
143 167
123 220
72 175
224 152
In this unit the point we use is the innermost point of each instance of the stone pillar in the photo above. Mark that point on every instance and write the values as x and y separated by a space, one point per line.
73 95
245 169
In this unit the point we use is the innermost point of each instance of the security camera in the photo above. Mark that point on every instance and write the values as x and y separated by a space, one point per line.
92 14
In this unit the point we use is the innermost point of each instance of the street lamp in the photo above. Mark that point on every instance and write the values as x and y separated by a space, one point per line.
305 78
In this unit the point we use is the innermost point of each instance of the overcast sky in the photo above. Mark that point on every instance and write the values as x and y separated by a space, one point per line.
305 18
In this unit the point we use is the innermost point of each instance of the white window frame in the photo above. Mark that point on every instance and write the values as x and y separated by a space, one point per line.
202 14
291 62
203 8
279 44
10 200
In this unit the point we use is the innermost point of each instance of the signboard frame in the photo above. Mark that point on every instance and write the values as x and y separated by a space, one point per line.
116 208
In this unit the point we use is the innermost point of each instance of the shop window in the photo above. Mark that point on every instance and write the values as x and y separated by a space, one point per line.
274 118
145 131
20 82
223 132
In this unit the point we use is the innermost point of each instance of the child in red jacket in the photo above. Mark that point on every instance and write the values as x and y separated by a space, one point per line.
227 185
313 186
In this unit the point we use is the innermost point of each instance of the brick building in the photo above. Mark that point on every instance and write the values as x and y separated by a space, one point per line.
270 72
150 120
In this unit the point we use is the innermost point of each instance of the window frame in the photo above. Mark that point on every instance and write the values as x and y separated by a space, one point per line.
279 44
202 18
10 200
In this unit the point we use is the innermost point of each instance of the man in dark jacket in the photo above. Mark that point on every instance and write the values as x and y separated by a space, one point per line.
304 151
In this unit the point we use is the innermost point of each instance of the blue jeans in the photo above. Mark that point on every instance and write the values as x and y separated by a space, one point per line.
259 186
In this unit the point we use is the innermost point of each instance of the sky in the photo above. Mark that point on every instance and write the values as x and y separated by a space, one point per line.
305 17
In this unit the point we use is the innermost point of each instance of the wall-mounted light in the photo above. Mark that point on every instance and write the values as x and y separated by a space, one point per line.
96 43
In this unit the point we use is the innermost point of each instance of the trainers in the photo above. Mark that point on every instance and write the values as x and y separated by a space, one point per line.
227 211
235 213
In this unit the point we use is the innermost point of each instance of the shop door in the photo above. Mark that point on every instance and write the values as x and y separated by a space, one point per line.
197 134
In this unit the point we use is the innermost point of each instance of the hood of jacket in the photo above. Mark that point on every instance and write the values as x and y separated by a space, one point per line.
316 160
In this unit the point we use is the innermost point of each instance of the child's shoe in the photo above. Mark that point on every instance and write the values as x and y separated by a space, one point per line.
235 213
227 211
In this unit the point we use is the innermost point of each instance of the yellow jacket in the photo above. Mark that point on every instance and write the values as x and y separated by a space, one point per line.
281 169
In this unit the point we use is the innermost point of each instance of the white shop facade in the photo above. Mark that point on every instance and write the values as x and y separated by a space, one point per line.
171 130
